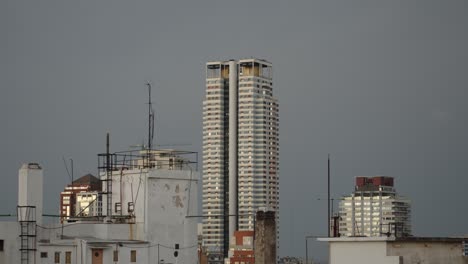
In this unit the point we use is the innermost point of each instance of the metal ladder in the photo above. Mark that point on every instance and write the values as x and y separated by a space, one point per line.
27 222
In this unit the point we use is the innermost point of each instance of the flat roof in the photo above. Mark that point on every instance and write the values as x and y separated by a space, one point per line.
263 61
393 239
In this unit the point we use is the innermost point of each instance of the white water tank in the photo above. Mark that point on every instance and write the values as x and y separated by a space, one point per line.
30 186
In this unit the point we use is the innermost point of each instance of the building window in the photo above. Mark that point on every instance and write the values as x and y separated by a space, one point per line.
116 255
44 255
1 244
68 257
133 256
57 257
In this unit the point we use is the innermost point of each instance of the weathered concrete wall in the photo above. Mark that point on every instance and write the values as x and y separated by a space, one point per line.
427 252
9 233
128 186
265 238
172 195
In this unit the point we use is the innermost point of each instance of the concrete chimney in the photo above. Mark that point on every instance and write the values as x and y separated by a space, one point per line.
30 186
265 238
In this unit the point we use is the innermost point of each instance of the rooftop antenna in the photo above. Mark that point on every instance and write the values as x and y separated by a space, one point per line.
66 167
71 165
150 118
328 221
109 177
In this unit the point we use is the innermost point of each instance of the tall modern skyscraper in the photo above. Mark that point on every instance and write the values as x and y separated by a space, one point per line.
240 149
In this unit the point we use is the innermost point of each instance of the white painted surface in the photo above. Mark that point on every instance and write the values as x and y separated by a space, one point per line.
30 186
82 250
172 195
162 199
361 253
9 232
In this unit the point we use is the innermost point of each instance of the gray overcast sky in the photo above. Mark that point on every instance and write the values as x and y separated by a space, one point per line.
381 85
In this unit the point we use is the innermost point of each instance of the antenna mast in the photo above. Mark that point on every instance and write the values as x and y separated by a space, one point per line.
328 221
150 118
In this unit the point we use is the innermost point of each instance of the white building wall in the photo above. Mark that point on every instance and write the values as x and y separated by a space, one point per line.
81 252
172 196
51 250
361 252
127 187
9 232
90 229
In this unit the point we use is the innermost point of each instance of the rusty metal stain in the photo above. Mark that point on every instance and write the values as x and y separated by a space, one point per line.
177 201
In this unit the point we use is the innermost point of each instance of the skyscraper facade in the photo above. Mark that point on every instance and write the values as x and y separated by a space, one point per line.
240 149
375 209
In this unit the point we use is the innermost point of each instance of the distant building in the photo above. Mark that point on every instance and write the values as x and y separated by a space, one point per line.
202 254
256 246
240 149
395 250
68 198
241 248
375 209
88 204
